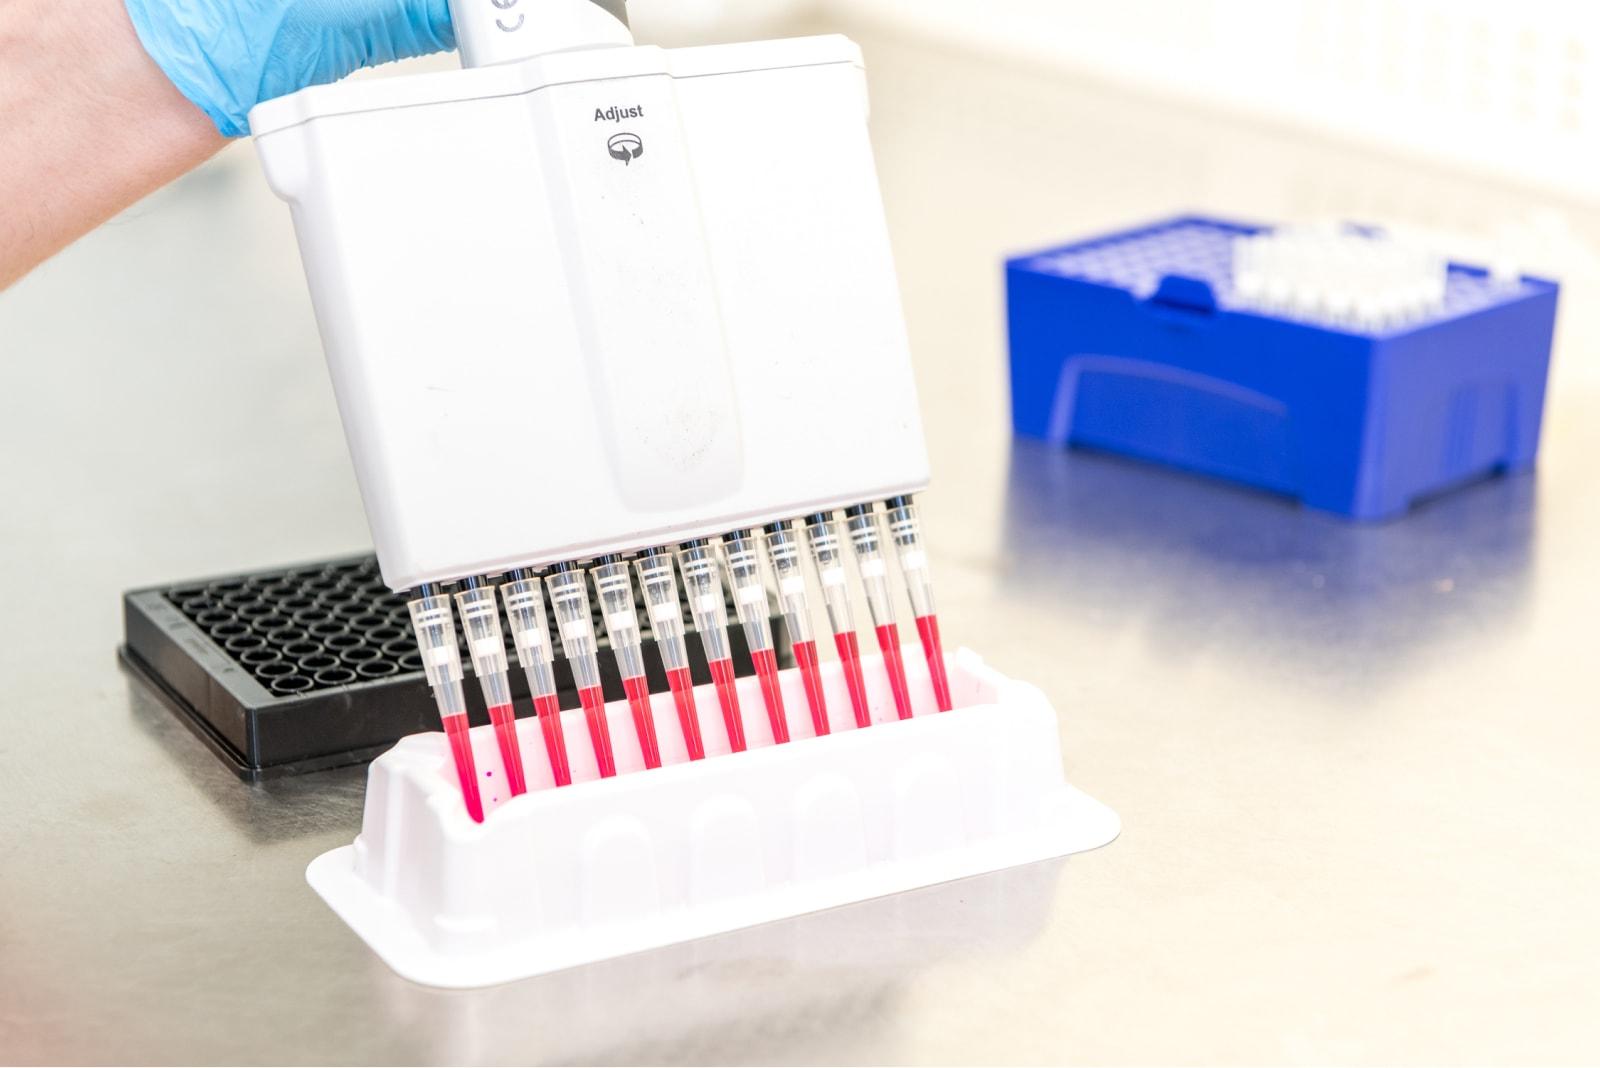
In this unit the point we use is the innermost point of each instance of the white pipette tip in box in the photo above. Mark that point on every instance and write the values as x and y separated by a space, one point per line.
1342 275
556 878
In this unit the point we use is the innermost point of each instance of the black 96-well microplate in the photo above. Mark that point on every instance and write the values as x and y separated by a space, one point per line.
303 668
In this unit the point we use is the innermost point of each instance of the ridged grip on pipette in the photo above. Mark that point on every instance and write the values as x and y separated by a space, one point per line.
486 644
783 550
614 587
906 534
698 562
827 552
524 600
743 554
435 629
569 596
660 586
865 539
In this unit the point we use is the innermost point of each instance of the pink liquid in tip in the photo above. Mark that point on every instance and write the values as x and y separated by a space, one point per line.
505 733
644 720
850 660
805 654
933 649
889 643
594 710
555 742
766 662
688 715
455 727
728 697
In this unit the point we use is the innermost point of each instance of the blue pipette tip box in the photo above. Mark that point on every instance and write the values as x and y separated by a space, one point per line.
1136 343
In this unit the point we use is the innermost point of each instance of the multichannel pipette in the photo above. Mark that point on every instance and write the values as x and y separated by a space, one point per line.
698 562
435 628
615 588
666 433
823 538
906 534
524 599
660 587
783 550
750 601
486 645
569 596
861 521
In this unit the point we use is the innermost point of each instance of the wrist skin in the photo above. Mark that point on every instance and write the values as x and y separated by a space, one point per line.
88 125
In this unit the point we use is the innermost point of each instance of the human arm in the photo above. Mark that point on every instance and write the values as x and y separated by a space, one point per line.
88 125
101 104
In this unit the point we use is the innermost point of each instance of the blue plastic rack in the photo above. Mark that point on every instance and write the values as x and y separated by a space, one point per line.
1135 343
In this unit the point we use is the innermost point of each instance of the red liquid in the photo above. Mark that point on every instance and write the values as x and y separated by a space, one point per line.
555 742
850 660
889 642
505 732
594 710
688 715
644 720
728 697
933 649
466 768
766 662
805 654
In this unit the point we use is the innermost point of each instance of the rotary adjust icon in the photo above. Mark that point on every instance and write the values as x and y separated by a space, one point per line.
625 146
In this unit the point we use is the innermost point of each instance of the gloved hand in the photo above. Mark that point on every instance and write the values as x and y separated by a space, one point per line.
228 55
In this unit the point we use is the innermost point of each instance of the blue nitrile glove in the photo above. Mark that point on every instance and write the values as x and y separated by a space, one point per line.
228 55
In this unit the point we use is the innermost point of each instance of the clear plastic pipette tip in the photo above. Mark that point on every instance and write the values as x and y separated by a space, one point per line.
660 586
569 596
906 534
530 634
614 587
486 646
826 552
435 629
703 584
750 599
783 553
861 521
